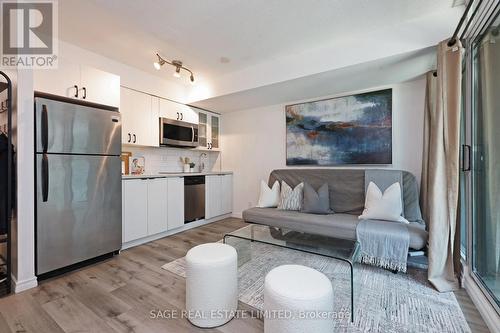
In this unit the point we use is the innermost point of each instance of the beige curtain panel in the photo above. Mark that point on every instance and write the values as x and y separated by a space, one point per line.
488 175
440 169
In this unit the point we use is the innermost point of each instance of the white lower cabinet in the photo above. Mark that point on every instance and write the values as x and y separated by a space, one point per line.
135 209
226 194
175 199
157 205
151 206
218 195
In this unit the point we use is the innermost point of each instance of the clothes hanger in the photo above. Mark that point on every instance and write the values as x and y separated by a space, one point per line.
3 130
4 106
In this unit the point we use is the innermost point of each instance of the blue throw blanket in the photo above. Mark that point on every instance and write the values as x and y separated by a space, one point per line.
383 244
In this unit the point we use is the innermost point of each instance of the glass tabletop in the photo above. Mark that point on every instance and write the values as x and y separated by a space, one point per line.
342 249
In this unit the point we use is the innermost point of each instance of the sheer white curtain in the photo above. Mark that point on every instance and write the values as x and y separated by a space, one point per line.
440 169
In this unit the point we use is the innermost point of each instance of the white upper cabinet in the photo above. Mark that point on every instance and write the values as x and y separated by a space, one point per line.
138 126
63 81
80 83
189 114
100 87
177 111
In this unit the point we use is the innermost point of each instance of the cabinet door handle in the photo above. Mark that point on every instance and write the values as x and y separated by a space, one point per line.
177 115
84 92
135 138
182 116
76 91
129 137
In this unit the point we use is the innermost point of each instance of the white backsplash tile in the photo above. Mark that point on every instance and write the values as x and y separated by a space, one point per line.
166 159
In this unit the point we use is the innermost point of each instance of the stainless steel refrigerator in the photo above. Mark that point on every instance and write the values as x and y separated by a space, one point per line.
78 182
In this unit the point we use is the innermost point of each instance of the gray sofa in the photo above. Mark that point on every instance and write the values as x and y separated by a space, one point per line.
347 197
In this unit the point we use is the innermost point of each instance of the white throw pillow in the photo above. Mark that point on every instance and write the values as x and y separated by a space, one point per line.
385 206
269 197
291 199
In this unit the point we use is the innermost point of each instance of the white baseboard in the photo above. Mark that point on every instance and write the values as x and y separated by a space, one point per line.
485 308
20 286
185 227
237 215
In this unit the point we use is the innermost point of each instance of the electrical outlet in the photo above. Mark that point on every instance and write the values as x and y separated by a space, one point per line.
250 204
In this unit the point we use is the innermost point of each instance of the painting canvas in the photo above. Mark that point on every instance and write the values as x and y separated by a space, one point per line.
353 129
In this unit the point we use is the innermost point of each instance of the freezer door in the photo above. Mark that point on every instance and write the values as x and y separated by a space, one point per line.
68 128
78 213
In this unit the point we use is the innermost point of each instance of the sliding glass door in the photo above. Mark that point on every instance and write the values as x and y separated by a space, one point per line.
486 160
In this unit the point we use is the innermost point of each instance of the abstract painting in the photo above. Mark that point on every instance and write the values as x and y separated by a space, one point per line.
354 129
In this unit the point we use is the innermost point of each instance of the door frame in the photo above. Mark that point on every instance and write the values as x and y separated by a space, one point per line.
478 292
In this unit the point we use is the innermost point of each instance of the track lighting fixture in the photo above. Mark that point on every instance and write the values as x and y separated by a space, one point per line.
176 63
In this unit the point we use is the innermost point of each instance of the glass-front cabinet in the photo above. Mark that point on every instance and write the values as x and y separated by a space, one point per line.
208 130
203 129
214 129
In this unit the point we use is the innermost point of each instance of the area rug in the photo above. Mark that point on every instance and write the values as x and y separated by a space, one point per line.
383 301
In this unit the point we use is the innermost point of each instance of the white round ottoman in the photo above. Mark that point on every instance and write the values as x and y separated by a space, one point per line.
297 299
211 284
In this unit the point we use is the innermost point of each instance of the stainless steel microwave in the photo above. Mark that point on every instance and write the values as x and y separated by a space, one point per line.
178 133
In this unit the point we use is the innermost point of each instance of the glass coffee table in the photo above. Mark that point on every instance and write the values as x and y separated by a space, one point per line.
335 248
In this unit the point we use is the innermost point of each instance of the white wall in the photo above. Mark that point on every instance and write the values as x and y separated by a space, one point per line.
23 272
253 140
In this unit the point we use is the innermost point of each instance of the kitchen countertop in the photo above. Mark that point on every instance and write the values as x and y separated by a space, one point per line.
179 174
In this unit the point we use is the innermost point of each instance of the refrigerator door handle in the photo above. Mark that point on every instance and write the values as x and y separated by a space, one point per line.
45 128
45 177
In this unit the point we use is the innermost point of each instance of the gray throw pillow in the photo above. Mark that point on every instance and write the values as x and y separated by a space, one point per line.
316 202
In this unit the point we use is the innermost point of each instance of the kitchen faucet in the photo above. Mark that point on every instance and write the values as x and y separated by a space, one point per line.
202 164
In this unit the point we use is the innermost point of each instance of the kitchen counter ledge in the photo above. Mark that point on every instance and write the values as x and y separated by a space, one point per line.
179 174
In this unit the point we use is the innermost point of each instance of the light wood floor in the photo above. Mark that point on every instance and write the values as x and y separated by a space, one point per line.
117 295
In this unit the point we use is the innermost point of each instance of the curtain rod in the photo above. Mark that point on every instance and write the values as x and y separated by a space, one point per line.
453 39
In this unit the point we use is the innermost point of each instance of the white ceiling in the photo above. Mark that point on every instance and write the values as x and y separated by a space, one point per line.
244 32
381 72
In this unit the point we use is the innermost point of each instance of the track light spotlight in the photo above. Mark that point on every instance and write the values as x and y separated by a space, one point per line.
177 64
159 63
177 72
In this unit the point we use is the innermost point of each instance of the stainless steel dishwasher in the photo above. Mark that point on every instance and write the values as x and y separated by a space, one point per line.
194 198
